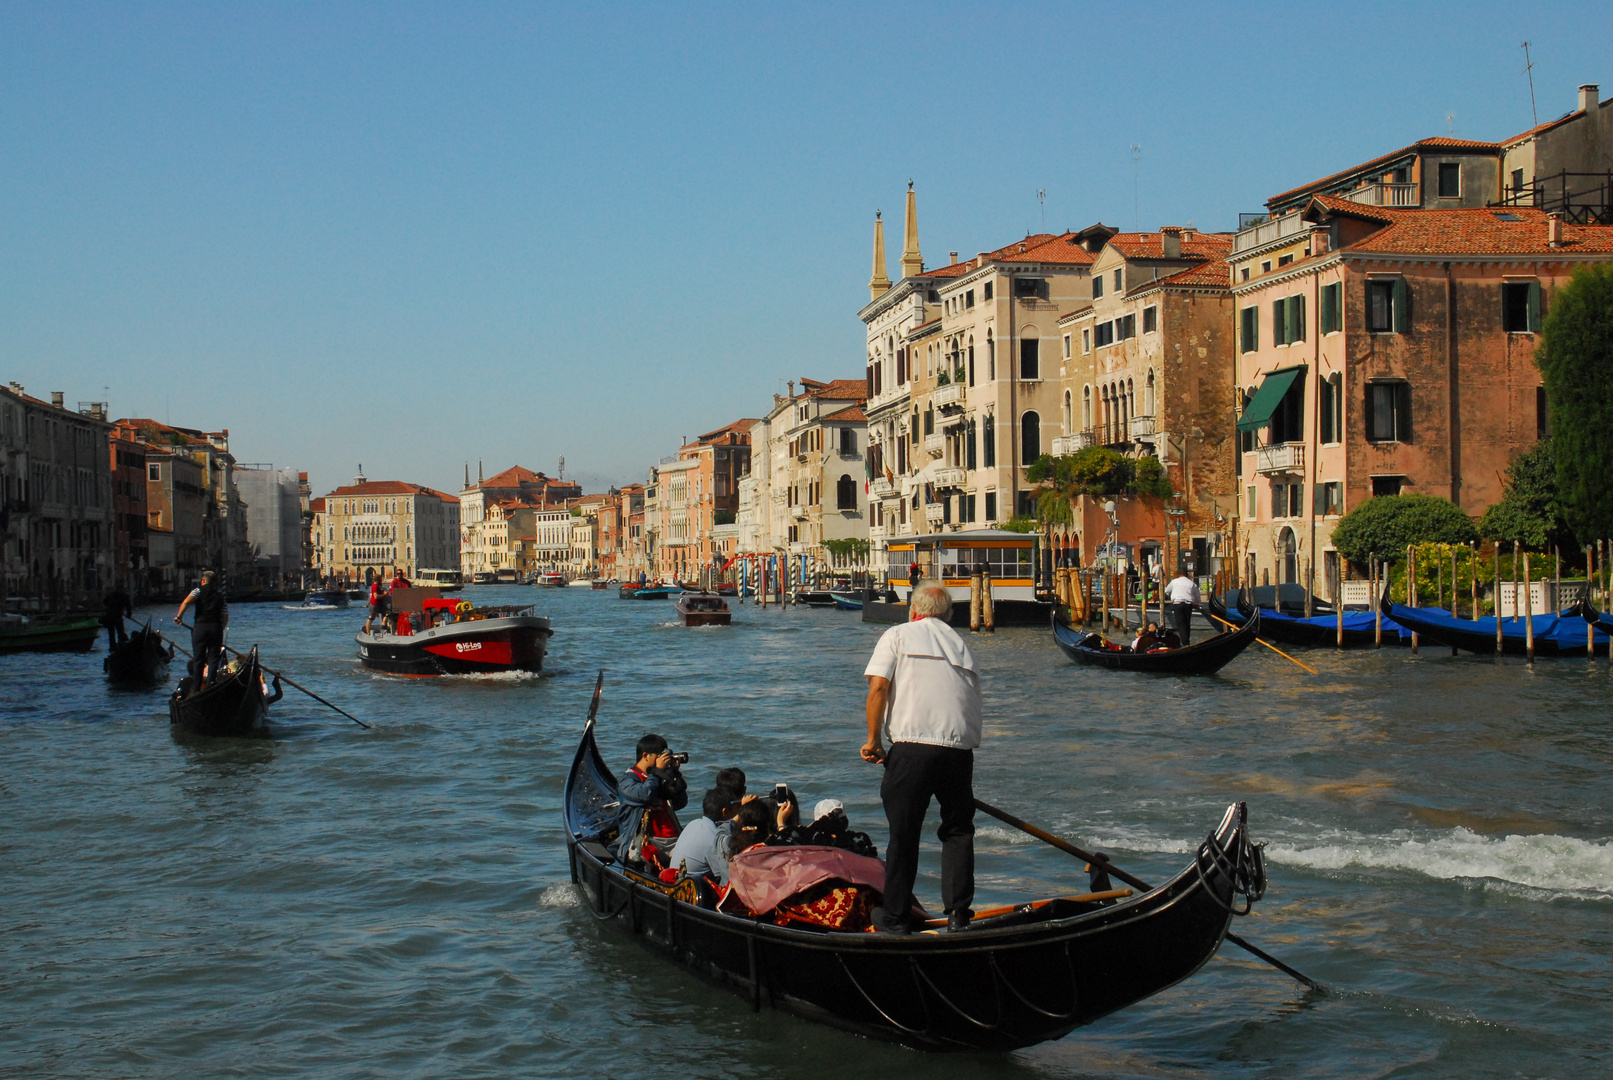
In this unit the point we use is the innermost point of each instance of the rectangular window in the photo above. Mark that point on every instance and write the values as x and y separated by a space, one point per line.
1086 340
1117 279
985 291
969 298
1330 418
1030 288
1252 496
1066 346
1249 338
988 444
1517 181
1150 319
1450 180
1126 327
1030 358
1388 412
1284 260
1332 308
1279 322
1330 498
154 472
966 507
1388 306
1520 307
1386 485
1097 286
1296 500
1103 334
991 506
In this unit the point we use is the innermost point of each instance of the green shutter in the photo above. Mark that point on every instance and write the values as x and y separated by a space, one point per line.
1331 315
1402 303
1534 307
1403 412
1368 415
1296 314
1279 322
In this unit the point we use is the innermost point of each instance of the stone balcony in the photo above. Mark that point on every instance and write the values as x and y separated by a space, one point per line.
949 398
882 488
935 445
877 532
934 513
950 478
1282 458
1142 427
1065 445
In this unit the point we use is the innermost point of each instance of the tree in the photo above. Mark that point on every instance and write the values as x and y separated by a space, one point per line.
1575 357
1383 527
1150 478
1529 511
1095 471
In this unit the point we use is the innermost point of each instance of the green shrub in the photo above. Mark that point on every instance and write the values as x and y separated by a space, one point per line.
1383 527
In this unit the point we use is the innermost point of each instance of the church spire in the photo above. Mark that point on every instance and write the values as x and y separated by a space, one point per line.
912 261
880 283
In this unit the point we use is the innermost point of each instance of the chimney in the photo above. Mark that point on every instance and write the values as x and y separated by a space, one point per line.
1588 94
1319 239
954 255
792 389
1170 242
1554 231
358 480
56 398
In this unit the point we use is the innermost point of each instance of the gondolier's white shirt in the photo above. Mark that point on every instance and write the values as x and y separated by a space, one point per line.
935 688
1183 590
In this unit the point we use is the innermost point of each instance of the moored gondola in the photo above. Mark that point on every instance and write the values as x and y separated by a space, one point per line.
1555 634
142 659
1200 658
1602 622
1360 628
235 704
1033 972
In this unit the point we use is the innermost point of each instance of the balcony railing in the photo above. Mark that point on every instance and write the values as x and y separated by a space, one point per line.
1381 193
876 532
1282 458
950 478
935 444
1064 445
882 488
934 513
950 396
1142 427
1268 232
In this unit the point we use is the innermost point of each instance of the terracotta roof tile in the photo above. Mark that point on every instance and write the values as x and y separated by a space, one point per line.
317 506
1481 231
1151 245
383 487
838 389
1339 205
850 414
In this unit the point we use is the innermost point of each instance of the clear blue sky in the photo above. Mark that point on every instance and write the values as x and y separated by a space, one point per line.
409 236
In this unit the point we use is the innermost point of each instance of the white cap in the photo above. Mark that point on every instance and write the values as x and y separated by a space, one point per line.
825 807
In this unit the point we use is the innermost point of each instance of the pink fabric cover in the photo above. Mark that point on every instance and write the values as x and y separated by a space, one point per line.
765 877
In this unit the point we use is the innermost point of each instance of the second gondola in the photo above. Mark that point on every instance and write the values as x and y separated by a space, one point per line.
1201 658
233 705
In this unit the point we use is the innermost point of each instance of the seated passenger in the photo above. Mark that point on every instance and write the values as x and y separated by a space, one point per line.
1147 638
650 792
1169 639
756 823
830 828
733 779
702 845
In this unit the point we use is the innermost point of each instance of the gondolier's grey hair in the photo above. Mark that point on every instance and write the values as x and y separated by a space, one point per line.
932 600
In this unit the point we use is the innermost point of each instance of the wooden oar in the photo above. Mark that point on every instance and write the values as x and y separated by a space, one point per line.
1130 879
1266 643
283 677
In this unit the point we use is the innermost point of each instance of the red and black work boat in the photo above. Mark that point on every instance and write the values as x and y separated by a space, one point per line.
235 704
703 609
1017 976
141 660
457 638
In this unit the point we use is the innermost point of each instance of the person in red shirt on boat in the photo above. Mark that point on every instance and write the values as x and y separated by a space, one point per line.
377 604
398 580
651 794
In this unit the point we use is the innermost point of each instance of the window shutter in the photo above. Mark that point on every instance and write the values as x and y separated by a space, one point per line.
1296 314
1369 415
1402 304
1279 323
1534 307
1403 412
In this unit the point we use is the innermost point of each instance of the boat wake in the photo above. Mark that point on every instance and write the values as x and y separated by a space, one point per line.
1542 866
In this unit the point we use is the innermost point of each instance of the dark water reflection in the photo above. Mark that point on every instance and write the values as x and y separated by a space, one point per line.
394 902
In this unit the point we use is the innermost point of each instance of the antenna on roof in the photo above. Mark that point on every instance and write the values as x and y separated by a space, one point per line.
561 474
1041 200
1529 70
1450 123
1136 184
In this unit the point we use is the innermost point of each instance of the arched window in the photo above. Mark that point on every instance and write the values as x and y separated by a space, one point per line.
1030 438
1131 398
1067 410
971 359
1148 394
1287 557
991 356
846 493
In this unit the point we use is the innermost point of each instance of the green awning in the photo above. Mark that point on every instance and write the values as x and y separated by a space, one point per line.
1267 398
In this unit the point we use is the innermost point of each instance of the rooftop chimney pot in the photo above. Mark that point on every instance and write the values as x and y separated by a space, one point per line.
1554 231
1170 240
1589 94
56 398
954 255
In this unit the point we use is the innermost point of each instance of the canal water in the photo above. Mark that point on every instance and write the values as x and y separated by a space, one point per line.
395 902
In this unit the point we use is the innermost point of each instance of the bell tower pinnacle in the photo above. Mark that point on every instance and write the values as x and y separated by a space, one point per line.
912 261
880 283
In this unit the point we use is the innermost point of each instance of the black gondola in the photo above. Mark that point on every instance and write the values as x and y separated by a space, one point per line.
1602 622
142 659
1032 973
234 705
1201 658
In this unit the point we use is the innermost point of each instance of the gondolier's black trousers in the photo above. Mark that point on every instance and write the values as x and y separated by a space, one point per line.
206 647
1182 619
913 773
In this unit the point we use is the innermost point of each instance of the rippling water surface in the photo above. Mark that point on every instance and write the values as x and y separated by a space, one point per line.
395 902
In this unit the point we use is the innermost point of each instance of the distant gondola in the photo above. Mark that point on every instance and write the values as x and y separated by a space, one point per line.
1202 658
1556 634
1602 622
234 705
1021 976
1360 628
142 659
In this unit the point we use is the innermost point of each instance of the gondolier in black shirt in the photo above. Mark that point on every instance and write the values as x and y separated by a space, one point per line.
924 694
207 636
115 608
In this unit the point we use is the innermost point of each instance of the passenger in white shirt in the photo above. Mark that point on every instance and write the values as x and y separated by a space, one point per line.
924 696
1182 596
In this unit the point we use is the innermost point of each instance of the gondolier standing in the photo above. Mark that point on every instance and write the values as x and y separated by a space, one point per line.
1182 596
924 693
207 636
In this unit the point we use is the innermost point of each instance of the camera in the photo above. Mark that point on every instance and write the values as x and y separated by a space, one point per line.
680 759
781 793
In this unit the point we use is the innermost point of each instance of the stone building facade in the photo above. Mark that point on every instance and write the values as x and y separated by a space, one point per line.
372 528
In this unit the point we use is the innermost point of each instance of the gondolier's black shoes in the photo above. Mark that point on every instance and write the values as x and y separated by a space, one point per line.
883 922
959 920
